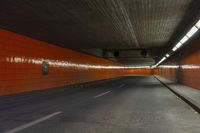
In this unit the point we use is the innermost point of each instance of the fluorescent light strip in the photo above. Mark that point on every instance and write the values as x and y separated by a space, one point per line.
184 39
178 45
174 48
164 58
198 24
192 31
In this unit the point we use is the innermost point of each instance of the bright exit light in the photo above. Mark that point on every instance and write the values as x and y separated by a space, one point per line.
192 31
198 24
184 39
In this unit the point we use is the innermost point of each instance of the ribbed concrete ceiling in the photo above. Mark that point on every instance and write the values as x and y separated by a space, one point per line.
96 24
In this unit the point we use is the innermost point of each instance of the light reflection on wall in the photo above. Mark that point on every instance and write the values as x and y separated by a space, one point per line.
67 64
168 66
190 66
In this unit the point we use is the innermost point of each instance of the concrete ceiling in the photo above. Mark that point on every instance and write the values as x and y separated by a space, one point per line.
99 27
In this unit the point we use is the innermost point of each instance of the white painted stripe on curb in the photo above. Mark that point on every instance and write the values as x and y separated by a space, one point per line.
17 129
102 94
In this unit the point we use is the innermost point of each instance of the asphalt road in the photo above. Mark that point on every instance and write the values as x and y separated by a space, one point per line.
134 104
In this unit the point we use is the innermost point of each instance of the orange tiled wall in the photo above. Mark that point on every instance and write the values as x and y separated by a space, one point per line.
21 69
184 67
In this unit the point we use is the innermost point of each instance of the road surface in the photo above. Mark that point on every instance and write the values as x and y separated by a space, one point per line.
133 104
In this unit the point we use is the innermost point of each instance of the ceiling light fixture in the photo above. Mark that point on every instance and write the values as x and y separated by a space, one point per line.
179 44
189 34
198 24
184 39
192 31
174 48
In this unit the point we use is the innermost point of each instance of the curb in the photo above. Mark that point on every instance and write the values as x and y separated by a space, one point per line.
195 107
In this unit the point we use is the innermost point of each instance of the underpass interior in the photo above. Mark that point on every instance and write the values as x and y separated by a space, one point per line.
86 66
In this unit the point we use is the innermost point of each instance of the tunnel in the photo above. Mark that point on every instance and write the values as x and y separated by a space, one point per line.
99 66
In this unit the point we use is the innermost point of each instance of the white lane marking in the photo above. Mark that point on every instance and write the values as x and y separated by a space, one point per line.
102 94
121 86
17 129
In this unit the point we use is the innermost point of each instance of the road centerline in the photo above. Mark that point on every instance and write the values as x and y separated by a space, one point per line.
102 94
17 129
122 85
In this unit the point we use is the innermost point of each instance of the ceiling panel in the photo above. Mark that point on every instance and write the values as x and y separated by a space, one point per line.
96 24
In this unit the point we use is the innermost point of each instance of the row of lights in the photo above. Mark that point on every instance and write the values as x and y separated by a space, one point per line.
190 33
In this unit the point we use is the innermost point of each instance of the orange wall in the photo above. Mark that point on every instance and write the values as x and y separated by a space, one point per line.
187 63
21 69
